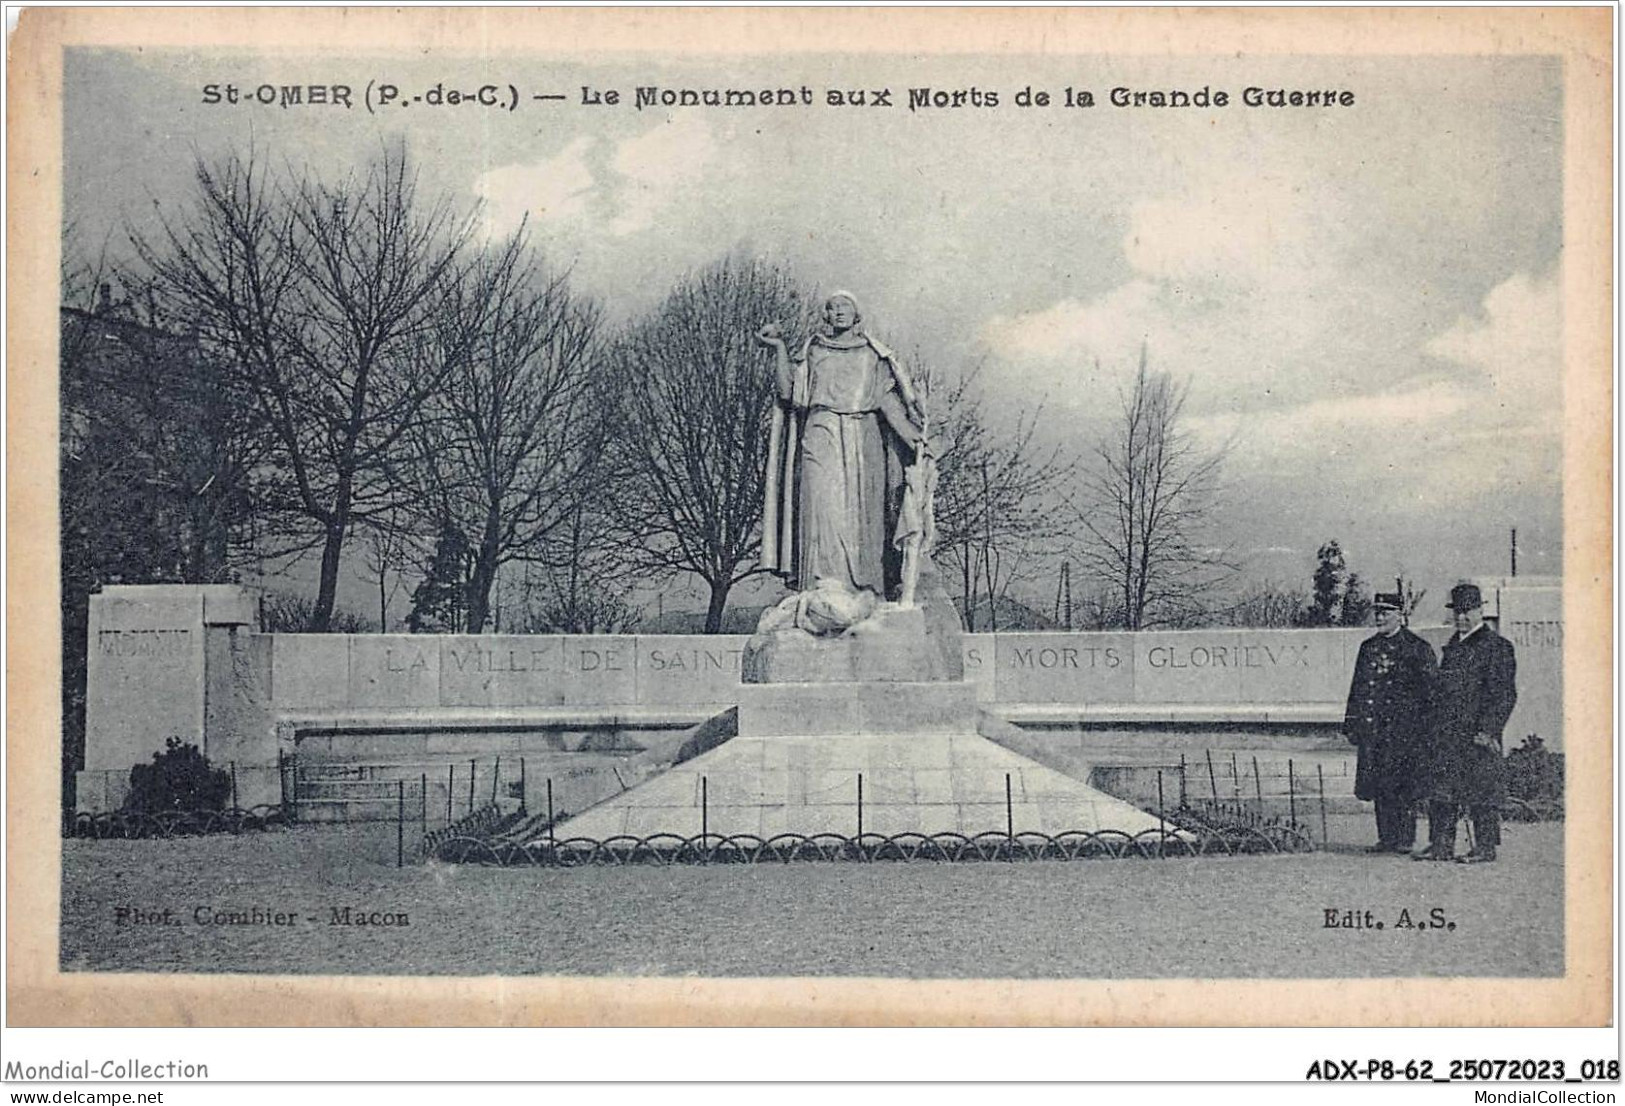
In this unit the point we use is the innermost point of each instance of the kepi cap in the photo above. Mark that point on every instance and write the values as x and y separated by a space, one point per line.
1388 600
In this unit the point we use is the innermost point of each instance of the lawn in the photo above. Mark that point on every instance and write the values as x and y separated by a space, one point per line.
1258 916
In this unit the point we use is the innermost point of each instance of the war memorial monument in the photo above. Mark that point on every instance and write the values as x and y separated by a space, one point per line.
858 710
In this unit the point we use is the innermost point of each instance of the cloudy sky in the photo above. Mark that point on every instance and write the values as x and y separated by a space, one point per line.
1364 299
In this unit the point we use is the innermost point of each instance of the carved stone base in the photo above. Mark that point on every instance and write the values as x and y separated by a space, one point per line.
888 644
859 707
892 645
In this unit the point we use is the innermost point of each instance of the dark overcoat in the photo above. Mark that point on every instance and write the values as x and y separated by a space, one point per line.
1476 692
1388 713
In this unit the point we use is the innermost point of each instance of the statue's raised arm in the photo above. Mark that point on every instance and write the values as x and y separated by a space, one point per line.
771 336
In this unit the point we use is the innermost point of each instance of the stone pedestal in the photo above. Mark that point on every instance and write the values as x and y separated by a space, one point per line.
879 703
870 730
174 660
778 710
893 645
144 674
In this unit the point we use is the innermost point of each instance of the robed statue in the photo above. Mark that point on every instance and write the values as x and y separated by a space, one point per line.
842 511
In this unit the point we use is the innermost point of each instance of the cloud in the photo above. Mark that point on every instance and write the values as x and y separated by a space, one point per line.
1321 424
659 167
1516 344
1236 279
586 191
1485 428
556 190
1118 320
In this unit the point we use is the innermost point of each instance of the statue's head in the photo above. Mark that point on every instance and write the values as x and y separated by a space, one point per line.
841 311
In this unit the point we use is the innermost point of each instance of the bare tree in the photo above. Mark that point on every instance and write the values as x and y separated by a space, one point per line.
285 613
997 496
160 451
1148 498
581 590
1267 603
387 546
1098 609
327 300
503 447
693 391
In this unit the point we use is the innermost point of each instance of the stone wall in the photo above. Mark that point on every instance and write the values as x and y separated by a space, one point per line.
1197 667
1530 614
184 661
331 671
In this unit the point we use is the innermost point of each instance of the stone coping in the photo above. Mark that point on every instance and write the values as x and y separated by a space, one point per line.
1259 713
439 718
630 716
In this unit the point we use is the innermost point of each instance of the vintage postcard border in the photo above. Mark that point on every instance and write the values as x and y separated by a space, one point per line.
41 995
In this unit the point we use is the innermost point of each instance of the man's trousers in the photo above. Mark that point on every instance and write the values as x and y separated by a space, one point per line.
1396 819
1486 819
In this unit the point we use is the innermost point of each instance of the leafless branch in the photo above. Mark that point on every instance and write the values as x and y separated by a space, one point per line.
1145 503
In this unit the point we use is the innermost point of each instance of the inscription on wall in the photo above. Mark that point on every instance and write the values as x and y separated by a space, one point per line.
1192 666
1154 667
689 669
1547 634
1066 656
405 660
1532 620
1227 656
496 660
589 659
145 674
1061 668
144 643
695 660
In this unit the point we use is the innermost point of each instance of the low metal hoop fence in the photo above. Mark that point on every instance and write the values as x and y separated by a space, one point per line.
133 825
870 848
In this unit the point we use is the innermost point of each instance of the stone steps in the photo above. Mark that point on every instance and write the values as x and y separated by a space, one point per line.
808 784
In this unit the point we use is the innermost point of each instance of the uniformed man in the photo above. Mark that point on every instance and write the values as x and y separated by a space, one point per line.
1387 718
1475 695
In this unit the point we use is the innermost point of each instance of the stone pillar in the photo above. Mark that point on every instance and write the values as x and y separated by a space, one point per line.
149 678
1529 610
238 729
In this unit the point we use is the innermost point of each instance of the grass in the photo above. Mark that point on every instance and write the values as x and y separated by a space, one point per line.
1208 918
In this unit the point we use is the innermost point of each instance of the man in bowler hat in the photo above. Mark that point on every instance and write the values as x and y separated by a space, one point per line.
1388 719
1473 699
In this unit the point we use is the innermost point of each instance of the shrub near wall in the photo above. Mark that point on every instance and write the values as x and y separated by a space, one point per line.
179 794
179 778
